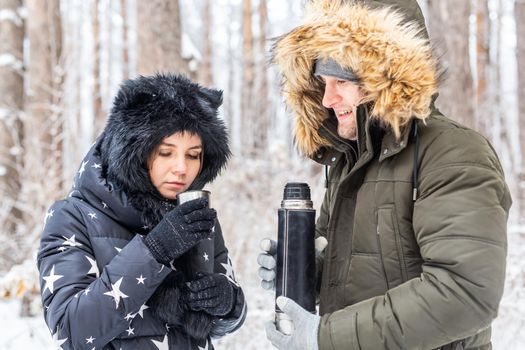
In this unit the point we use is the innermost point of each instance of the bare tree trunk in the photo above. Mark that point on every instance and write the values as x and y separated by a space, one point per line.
206 70
43 127
229 106
125 39
248 80
519 12
482 65
97 93
11 107
456 97
261 120
160 37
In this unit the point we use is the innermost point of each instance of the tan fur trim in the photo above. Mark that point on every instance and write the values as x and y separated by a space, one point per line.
393 61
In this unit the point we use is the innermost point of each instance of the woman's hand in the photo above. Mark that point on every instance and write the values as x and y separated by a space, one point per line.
213 294
181 229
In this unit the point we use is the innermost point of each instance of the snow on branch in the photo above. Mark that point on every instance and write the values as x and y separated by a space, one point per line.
13 16
11 61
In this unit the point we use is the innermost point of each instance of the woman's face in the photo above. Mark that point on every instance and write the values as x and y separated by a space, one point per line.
175 163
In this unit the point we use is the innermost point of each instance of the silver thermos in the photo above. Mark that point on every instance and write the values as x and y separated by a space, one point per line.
200 258
295 252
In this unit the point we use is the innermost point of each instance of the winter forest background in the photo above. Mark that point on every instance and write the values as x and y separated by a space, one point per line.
61 62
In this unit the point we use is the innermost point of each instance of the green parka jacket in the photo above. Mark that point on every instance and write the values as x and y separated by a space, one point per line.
416 210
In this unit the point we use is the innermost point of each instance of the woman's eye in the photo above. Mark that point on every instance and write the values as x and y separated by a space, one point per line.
194 156
164 154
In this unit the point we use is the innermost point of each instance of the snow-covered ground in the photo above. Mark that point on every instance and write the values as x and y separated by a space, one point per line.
22 332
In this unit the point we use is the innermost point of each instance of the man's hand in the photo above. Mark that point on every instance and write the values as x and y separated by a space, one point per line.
306 327
268 260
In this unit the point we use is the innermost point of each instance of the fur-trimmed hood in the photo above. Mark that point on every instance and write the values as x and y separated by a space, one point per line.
384 42
145 111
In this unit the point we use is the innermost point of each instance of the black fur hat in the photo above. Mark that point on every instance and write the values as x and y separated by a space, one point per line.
145 111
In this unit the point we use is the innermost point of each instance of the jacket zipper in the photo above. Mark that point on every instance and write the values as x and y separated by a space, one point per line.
330 280
381 257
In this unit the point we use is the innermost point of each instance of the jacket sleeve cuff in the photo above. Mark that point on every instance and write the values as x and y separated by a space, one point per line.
338 330
233 321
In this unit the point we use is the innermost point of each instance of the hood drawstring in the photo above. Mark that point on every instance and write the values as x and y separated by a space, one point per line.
326 176
415 165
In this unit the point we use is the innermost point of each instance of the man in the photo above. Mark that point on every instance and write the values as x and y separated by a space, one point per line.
416 205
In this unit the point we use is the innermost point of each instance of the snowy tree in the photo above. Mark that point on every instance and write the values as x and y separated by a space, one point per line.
206 69
261 119
43 177
456 94
11 109
519 11
248 78
160 44
482 65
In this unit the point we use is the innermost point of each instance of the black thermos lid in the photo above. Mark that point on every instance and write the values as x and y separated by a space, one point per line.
296 190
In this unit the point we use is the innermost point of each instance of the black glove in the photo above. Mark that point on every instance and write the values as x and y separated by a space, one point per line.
213 294
168 305
181 229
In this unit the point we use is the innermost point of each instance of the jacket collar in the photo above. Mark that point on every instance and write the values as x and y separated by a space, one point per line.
91 186
390 145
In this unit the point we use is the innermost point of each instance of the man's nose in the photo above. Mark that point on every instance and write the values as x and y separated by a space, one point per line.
330 96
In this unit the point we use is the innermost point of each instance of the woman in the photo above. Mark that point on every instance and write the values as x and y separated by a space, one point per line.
111 253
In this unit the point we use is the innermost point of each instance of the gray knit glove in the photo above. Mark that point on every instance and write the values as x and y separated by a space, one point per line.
306 328
213 294
267 262
181 229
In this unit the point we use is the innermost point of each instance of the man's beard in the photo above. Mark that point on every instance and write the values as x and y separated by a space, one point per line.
347 132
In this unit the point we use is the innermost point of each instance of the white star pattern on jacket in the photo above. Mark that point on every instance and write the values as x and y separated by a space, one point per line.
116 293
96 166
229 272
94 268
82 169
130 330
51 279
140 279
58 342
49 214
71 241
162 345
90 340
206 257
130 316
92 216
141 311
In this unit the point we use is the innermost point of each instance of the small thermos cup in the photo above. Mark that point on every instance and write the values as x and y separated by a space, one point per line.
295 252
198 259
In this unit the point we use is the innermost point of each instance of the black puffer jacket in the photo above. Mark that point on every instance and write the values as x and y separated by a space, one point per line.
101 287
